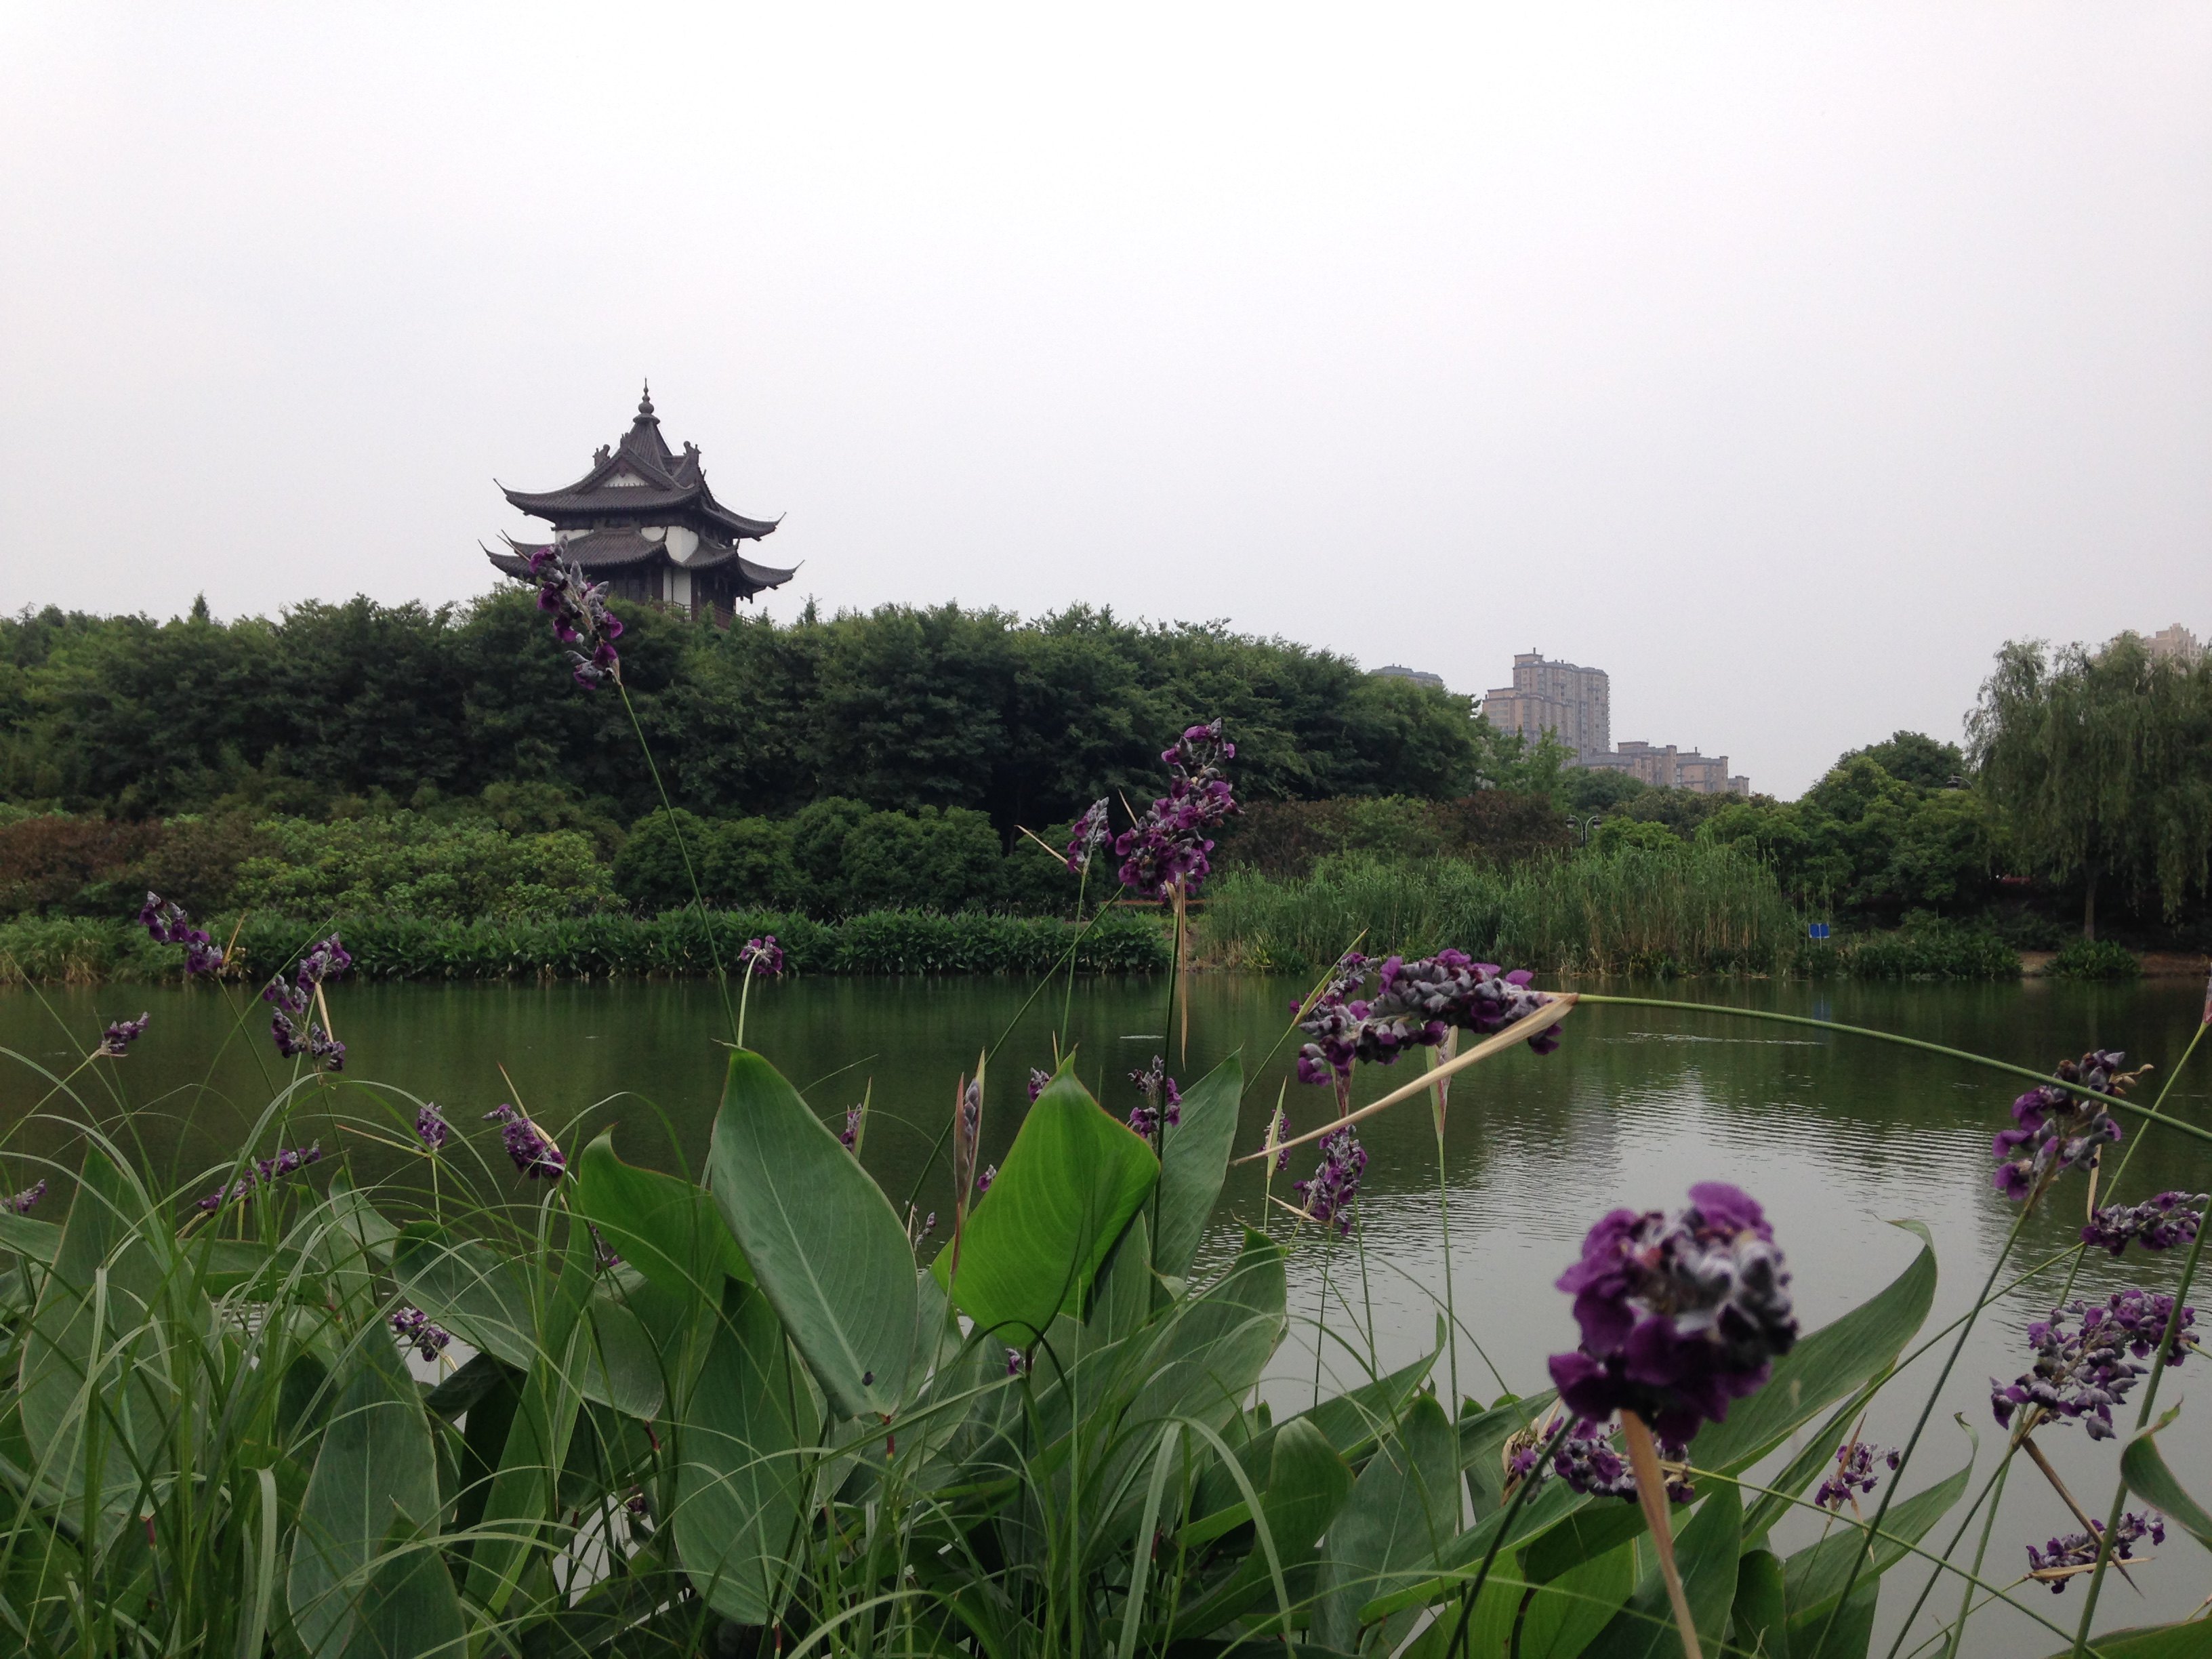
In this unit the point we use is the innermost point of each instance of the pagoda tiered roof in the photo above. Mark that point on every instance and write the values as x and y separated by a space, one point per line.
640 480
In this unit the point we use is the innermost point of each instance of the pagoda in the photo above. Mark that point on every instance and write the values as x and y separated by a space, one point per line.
643 521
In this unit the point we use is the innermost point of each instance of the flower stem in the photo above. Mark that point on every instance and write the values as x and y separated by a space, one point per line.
1651 1493
721 978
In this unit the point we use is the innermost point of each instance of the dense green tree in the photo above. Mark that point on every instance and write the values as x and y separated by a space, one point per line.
2099 765
1916 759
1585 790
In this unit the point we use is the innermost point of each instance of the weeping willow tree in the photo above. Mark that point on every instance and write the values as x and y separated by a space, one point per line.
2101 765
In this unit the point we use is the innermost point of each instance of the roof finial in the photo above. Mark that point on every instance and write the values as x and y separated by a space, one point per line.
645 404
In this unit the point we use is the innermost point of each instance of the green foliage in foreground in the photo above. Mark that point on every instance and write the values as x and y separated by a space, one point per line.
771 1421
68 950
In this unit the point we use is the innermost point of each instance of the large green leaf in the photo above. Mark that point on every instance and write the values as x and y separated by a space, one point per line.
823 1242
1846 1634
664 1227
521 1517
94 1350
2144 1469
1825 1366
1307 1485
1402 1510
481 1297
1814 1576
409 1609
1067 1187
2190 1640
740 1477
375 1471
39 1240
1706 1553
1762 1615
1194 1160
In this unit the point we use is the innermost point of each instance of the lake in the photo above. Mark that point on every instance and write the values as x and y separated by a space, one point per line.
1838 1137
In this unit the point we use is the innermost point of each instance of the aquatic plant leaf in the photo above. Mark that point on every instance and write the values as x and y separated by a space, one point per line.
1307 1485
520 1514
1065 1189
1123 1304
1761 1614
1823 1367
375 1470
2191 1639
661 1225
1403 1509
1706 1552
823 1240
1354 1422
1814 1576
26 1237
1563 1616
618 1364
95 1345
740 1479
2144 1469
409 1608
479 1297
1194 1160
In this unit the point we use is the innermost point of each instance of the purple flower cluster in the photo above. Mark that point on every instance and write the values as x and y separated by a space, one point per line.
1587 1460
1166 848
2058 1130
967 1133
1328 1196
1415 1004
1280 1132
2061 1559
535 1156
22 1201
1038 1080
167 924
1679 1313
1163 1101
287 1161
431 1127
294 1033
1018 1363
414 1329
763 957
1089 836
2157 1223
116 1041
1854 1472
983 1181
580 616
2082 1371
850 1135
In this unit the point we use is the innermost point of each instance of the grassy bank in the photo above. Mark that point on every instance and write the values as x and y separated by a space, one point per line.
1692 909
73 950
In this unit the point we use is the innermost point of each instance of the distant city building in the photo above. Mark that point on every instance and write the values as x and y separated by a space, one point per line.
2176 642
643 521
1574 704
1419 676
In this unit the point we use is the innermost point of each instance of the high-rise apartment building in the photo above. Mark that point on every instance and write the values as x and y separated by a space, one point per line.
1573 703
2176 643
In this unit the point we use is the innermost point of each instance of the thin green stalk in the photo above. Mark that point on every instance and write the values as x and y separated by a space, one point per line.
2143 1417
698 898
1994 1496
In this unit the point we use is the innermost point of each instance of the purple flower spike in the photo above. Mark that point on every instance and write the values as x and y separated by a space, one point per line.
1089 835
2057 1129
1679 1313
1167 847
431 1127
116 1041
1854 1472
264 1170
1328 1196
850 1136
167 924
580 617
1018 1363
535 1156
22 1201
1280 1132
2157 1223
294 1034
761 956
1415 1004
2063 1558
2082 1371
414 1329
1163 1101
1038 1080
983 1181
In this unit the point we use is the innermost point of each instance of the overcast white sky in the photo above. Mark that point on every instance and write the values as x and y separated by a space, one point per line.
1782 360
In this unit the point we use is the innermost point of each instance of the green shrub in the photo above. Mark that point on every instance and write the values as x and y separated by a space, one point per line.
410 865
2094 958
1926 947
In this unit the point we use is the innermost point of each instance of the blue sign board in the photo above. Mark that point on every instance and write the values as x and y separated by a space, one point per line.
1816 930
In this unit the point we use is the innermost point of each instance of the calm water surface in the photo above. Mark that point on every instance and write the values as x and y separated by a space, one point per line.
1838 1136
